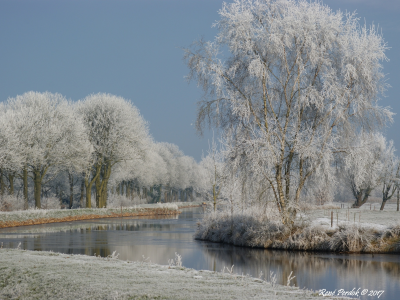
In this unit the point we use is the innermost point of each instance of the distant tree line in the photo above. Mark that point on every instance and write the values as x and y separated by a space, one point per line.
52 147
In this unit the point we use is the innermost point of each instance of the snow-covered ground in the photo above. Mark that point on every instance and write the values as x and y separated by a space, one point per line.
47 275
366 215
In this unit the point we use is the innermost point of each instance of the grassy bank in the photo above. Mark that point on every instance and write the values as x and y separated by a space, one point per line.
42 216
48 275
312 230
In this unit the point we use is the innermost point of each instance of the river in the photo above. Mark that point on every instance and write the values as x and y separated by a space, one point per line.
158 239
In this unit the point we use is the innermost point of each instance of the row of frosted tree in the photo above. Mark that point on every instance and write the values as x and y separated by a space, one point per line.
294 87
52 147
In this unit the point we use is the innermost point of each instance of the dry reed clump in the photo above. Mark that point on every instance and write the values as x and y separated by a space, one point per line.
247 228
255 229
307 238
353 238
390 239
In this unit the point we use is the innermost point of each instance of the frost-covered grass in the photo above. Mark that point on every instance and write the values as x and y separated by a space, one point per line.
48 275
39 216
256 227
34 214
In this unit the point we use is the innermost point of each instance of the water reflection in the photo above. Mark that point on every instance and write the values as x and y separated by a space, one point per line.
314 270
159 238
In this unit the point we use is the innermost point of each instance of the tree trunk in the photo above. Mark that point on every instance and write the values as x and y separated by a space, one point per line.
190 194
361 197
214 198
101 186
138 192
88 186
37 179
60 197
398 198
151 194
118 189
159 193
82 193
104 191
25 186
133 187
97 184
11 179
2 186
71 189
128 189
383 204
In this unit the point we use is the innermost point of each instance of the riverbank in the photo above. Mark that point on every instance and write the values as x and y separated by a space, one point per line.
42 216
47 275
313 230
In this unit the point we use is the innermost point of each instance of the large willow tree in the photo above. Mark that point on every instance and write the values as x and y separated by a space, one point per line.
286 81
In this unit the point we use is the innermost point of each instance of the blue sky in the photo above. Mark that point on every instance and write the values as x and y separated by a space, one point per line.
133 49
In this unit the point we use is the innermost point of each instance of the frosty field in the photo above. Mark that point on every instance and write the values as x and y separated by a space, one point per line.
366 215
48 275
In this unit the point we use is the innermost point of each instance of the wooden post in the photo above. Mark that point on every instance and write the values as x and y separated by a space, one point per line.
337 218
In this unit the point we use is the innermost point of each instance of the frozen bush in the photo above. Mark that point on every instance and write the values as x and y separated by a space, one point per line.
11 203
51 203
115 201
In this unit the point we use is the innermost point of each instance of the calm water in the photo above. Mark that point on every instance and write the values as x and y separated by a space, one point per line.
157 240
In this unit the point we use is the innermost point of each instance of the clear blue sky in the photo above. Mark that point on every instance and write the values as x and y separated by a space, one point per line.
133 49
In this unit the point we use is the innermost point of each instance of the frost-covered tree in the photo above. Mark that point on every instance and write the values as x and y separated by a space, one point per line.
10 159
287 80
390 174
148 172
49 136
117 133
212 171
365 165
164 172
